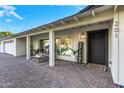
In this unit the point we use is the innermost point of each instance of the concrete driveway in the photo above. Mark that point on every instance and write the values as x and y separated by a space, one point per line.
17 72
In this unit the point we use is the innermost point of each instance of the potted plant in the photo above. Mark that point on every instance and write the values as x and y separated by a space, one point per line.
74 55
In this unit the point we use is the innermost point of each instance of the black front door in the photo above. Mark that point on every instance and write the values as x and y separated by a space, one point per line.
97 47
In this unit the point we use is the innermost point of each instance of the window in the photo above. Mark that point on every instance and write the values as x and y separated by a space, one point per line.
44 44
10 41
64 45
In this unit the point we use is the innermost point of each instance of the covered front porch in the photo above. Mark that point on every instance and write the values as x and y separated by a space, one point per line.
63 44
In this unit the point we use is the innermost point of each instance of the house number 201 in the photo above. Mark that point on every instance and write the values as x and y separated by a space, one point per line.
116 30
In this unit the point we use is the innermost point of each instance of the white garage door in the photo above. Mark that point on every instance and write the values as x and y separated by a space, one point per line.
9 47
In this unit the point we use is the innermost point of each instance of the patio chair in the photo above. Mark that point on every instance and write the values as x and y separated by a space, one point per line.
33 52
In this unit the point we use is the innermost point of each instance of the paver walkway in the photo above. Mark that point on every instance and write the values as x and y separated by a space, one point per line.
18 72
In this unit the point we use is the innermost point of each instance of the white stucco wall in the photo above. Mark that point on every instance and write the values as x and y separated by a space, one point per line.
110 44
117 66
21 46
121 46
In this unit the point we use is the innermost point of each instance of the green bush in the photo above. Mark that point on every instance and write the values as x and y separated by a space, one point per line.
62 51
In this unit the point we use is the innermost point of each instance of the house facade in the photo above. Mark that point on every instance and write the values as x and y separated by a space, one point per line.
99 28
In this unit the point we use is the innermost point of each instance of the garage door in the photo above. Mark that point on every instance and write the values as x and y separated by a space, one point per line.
9 47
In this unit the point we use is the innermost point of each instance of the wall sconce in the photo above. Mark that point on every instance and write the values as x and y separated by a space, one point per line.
82 35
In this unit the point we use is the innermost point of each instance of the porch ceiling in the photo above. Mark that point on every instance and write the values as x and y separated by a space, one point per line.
73 19
106 23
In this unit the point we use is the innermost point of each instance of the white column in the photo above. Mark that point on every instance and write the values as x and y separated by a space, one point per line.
51 49
28 41
115 47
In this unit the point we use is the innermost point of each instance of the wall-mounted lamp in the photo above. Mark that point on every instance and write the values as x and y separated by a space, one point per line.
82 35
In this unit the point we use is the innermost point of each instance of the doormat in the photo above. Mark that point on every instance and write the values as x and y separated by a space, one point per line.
96 67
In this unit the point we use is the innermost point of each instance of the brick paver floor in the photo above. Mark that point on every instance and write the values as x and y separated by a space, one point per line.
18 72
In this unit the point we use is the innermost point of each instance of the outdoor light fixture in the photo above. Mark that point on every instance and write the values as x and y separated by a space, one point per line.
82 35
